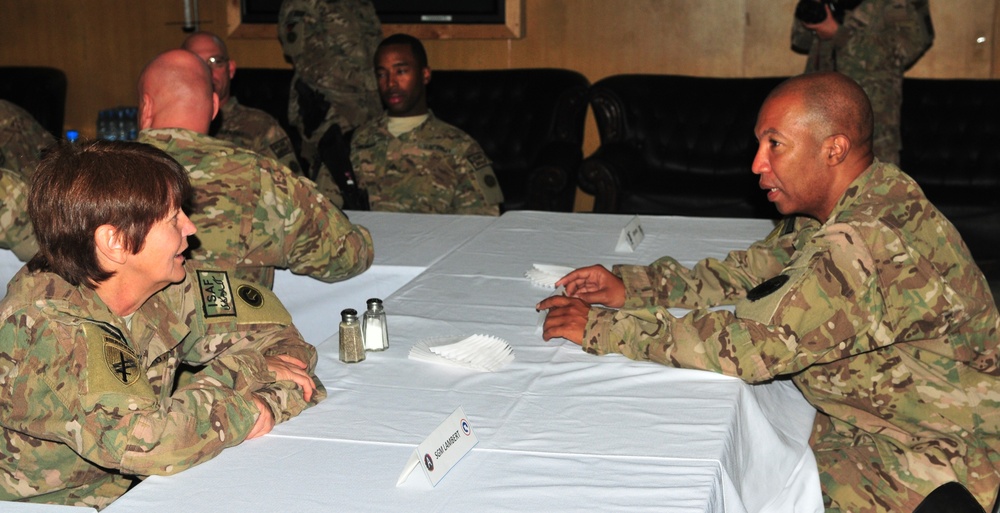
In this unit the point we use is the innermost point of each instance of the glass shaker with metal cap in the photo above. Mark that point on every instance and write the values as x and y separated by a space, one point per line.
373 326
352 345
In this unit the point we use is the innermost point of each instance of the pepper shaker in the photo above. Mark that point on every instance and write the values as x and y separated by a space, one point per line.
374 328
352 345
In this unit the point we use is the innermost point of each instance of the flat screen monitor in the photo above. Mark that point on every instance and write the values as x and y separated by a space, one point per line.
401 11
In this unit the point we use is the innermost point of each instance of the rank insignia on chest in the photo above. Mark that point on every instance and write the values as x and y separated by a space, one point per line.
121 359
216 294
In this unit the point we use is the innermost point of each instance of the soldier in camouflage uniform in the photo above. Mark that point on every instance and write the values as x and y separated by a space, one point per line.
408 160
252 213
243 126
95 326
331 45
877 41
22 139
868 301
15 226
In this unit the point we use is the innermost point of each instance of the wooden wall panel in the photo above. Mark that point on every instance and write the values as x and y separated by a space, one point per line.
103 44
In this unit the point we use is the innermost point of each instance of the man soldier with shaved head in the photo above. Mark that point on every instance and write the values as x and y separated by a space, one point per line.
252 213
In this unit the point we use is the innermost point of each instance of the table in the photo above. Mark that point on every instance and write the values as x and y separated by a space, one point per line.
559 430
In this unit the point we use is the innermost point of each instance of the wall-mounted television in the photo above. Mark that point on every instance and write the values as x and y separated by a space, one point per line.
401 11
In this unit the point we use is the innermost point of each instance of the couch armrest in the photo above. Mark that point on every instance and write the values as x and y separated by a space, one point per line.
552 178
608 173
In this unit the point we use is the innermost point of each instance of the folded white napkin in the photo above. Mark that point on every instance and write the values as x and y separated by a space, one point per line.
544 275
484 353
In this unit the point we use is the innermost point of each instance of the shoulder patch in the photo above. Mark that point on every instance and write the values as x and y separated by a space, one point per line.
120 358
112 364
250 295
282 147
479 160
216 294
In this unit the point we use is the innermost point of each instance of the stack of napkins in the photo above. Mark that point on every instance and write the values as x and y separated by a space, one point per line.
544 275
484 353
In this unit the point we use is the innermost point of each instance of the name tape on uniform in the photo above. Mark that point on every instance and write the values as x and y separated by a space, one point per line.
630 237
440 451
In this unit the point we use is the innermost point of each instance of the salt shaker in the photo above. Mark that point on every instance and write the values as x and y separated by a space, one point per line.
373 326
352 345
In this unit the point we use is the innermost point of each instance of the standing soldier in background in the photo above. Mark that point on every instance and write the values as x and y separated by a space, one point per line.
331 44
873 42
243 126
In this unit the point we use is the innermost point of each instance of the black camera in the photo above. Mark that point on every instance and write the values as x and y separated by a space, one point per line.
814 11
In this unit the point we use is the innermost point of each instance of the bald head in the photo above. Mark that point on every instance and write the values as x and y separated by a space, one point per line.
202 38
175 91
833 104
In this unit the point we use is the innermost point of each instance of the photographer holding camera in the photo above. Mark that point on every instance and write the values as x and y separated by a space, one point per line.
871 41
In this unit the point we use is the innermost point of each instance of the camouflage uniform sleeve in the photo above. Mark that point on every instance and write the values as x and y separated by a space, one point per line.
16 232
292 18
812 312
305 230
234 325
68 394
713 282
802 38
478 190
277 142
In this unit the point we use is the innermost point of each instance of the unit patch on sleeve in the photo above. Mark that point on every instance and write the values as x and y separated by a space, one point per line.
251 295
216 294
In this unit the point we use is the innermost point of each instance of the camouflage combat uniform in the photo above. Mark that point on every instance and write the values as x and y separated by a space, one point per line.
253 214
16 233
435 168
22 139
877 42
331 44
257 131
879 316
89 404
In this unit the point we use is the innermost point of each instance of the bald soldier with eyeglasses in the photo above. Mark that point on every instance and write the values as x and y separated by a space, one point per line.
243 126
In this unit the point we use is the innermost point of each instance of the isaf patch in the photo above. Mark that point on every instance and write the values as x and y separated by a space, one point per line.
216 294
120 358
479 160
282 147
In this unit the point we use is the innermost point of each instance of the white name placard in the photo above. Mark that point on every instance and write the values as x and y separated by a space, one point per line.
440 451
630 237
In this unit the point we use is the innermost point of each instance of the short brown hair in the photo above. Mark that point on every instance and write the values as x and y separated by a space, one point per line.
79 187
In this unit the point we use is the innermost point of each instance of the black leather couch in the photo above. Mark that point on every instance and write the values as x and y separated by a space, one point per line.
676 145
39 90
684 145
528 121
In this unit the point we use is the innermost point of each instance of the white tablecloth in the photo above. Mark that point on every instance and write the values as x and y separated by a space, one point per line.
559 430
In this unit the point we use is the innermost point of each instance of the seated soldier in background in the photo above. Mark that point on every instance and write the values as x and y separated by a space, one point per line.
95 325
409 161
15 226
22 139
243 126
865 297
252 213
